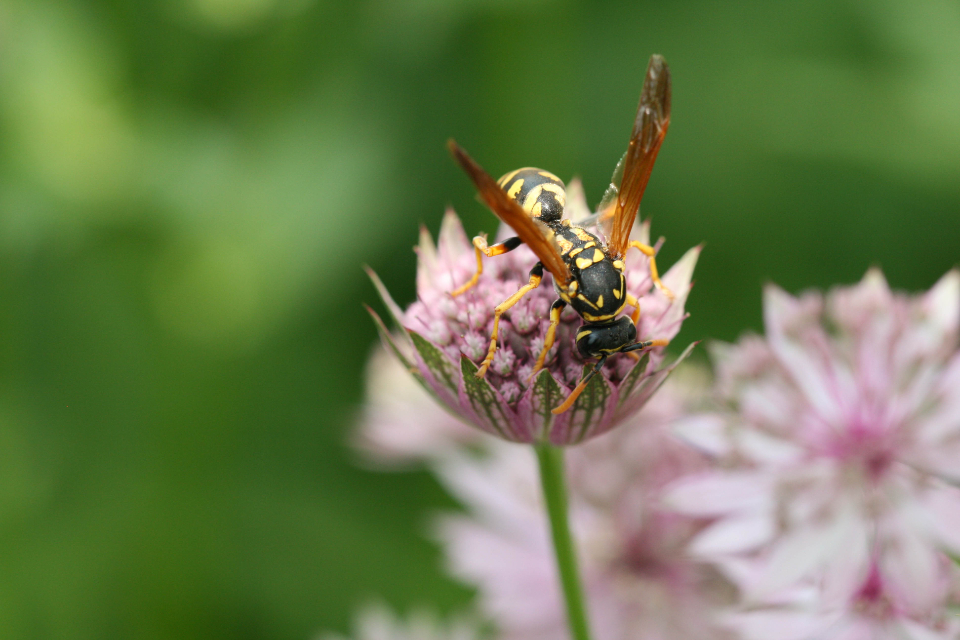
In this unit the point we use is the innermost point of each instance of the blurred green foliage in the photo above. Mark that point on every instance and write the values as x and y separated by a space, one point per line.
188 189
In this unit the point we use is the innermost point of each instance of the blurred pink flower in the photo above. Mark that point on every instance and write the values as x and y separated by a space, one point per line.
640 582
842 441
442 338
879 608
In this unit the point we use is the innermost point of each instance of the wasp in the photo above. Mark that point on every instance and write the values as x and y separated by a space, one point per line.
588 273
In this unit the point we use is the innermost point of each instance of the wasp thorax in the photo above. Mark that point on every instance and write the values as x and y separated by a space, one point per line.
601 290
595 340
539 192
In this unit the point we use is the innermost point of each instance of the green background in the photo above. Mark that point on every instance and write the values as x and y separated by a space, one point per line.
189 187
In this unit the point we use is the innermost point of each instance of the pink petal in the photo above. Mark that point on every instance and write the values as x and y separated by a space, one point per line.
452 242
576 207
943 508
734 534
706 432
718 493
784 316
800 552
943 302
916 631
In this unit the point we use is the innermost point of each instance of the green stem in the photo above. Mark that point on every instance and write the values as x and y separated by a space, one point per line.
555 496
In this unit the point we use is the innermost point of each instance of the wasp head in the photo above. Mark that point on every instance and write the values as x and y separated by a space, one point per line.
596 340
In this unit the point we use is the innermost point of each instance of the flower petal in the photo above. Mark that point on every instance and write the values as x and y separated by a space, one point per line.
589 413
389 339
678 277
796 554
489 408
785 317
720 493
427 261
396 314
576 207
536 407
636 389
734 534
634 381
452 242
436 368
943 303
704 432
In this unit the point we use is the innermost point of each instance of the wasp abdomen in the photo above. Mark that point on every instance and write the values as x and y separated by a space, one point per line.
539 192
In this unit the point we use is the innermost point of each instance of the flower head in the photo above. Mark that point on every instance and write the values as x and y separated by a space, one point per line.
444 338
842 436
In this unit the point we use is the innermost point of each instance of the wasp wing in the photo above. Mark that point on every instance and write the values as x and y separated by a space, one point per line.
603 218
507 209
649 129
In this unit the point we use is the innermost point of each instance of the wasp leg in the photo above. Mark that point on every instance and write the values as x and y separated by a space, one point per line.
555 310
635 317
536 275
579 388
481 249
649 251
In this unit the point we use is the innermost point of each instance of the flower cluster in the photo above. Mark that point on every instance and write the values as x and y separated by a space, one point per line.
841 443
443 338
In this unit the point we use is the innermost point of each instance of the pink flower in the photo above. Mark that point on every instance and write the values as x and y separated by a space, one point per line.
442 338
878 608
842 441
639 580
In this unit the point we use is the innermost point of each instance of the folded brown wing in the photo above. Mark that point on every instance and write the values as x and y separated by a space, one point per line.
649 129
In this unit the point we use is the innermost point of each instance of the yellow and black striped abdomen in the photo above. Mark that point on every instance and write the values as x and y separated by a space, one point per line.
539 192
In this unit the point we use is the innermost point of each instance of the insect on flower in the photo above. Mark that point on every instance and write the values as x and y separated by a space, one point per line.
588 273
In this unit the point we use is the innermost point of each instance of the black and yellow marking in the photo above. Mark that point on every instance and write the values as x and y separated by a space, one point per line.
539 192
587 301
598 319
583 234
